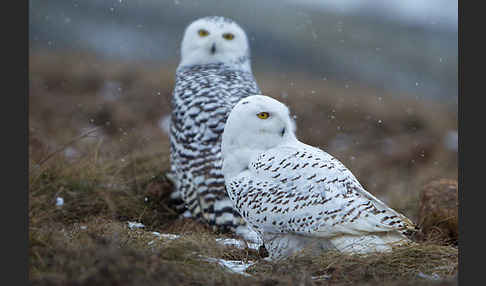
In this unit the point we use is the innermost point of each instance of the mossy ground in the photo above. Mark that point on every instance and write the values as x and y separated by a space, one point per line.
392 143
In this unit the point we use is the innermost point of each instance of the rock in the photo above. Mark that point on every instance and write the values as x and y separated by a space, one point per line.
438 211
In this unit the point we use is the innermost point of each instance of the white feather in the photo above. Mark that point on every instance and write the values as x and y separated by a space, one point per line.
214 73
293 194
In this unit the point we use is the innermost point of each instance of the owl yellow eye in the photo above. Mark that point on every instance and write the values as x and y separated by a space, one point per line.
203 33
228 36
263 115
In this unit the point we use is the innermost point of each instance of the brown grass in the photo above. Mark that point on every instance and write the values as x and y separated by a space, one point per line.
403 264
116 175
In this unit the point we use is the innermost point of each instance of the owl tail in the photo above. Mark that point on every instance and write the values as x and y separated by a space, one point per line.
379 242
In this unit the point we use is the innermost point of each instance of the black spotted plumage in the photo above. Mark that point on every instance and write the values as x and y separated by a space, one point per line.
296 196
202 99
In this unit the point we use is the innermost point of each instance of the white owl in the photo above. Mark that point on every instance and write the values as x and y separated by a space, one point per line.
295 195
214 73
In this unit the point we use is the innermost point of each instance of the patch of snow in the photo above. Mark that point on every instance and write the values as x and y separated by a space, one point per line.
434 276
237 243
321 277
133 225
59 201
187 214
166 235
235 266
230 241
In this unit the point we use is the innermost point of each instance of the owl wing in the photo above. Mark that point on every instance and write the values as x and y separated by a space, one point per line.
301 189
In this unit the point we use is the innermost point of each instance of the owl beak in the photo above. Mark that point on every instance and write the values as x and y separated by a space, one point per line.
213 49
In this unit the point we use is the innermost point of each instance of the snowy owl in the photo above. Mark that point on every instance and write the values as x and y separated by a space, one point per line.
295 195
214 73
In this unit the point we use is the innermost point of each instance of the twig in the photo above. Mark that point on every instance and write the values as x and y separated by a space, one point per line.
60 149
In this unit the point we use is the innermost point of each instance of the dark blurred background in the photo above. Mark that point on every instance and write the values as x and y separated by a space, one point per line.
401 46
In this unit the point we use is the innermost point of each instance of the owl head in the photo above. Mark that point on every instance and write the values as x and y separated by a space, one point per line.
215 40
256 124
